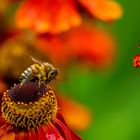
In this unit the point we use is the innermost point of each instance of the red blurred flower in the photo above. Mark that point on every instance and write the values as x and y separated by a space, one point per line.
29 112
48 15
136 61
56 16
86 43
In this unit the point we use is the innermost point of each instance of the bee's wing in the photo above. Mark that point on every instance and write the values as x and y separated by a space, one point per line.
36 60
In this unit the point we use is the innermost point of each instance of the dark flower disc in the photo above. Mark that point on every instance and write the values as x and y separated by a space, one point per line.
28 92
29 106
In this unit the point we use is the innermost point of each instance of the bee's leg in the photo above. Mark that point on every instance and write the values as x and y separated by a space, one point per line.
22 82
40 81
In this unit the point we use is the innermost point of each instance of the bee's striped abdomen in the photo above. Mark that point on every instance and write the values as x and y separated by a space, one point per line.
29 73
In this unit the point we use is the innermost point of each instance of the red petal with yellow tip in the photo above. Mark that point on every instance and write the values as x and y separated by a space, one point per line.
63 128
106 10
53 16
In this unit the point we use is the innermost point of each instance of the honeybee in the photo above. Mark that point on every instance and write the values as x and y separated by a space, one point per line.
45 72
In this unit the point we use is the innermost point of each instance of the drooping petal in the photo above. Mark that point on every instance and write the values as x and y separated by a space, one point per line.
106 10
77 116
53 16
63 128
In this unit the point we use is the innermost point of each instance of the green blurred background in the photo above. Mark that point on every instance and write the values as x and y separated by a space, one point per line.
113 95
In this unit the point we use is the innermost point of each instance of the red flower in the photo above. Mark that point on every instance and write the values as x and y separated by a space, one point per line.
136 61
86 43
56 16
29 112
48 15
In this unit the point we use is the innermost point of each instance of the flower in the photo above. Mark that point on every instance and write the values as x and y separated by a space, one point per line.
48 15
14 51
86 43
56 16
30 112
136 61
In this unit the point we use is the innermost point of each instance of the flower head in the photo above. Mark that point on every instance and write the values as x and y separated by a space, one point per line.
29 111
55 16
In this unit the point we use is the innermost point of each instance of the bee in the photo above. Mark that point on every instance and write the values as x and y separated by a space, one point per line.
44 71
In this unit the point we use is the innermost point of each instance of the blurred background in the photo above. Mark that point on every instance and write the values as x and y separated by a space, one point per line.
98 87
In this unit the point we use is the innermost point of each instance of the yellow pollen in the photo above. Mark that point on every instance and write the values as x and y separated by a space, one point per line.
29 115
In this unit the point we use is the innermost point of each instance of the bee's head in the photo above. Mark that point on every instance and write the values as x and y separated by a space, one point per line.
52 73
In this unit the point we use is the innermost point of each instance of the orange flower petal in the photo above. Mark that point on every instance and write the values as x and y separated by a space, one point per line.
77 116
62 127
106 10
52 16
9 136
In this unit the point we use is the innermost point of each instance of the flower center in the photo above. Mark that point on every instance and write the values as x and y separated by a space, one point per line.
29 106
